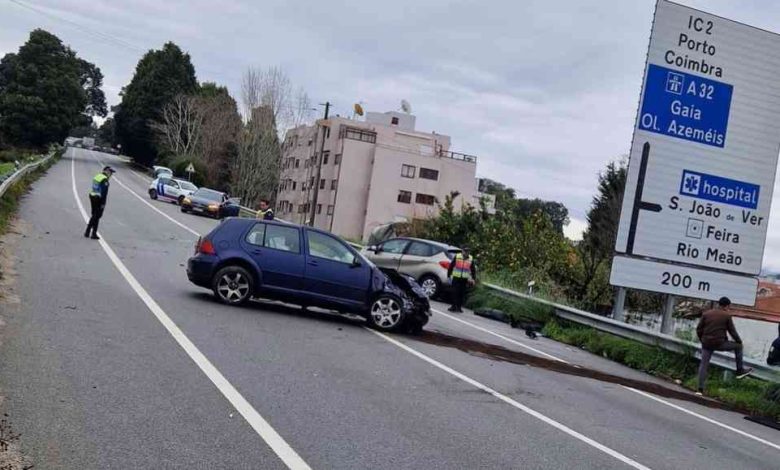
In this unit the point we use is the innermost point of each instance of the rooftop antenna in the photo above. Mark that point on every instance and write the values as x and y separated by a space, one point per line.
406 107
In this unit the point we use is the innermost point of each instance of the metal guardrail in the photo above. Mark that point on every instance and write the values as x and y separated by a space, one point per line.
641 335
14 177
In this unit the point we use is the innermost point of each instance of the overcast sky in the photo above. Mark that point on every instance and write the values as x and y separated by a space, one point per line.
543 92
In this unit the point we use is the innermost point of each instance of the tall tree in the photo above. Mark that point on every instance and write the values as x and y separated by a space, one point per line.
508 203
255 171
106 133
159 76
202 129
273 89
45 90
220 131
596 249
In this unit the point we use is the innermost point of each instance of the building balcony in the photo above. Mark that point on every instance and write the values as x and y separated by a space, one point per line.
457 156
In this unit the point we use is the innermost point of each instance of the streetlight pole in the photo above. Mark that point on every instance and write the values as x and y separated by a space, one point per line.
313 210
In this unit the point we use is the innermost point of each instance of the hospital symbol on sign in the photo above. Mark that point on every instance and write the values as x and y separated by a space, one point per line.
674 83
691 184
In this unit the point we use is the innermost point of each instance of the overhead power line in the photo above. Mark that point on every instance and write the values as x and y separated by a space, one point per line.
81 28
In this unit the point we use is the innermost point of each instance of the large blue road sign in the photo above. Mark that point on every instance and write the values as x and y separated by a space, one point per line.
685 106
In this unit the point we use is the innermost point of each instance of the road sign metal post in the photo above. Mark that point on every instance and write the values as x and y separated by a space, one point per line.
667 317
618 309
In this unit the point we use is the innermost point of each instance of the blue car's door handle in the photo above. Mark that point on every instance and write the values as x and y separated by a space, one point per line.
313 263
257 252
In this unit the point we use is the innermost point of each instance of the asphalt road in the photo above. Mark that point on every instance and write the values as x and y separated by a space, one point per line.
110 358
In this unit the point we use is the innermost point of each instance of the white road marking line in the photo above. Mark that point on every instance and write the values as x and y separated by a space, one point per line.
709 420
612 453
644 394
530 348
505 338
155 209
258 423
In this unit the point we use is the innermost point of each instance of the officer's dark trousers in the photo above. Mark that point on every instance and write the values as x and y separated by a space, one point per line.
97 212
459 290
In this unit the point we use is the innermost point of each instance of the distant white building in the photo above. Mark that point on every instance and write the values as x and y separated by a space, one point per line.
372 172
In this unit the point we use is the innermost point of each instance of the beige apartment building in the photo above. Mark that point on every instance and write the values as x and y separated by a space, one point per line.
372 172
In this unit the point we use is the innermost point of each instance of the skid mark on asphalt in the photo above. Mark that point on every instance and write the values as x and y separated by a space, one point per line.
500 353
525 409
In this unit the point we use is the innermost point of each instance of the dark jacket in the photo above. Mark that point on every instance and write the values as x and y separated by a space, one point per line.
713 326
774 354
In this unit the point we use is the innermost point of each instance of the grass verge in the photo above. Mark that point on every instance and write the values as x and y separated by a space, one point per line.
7 167
749 395
9 202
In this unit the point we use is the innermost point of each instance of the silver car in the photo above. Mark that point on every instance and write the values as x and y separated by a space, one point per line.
425 260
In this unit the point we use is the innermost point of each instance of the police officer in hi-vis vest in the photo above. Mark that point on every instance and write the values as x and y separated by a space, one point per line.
463 273
97 199
265 212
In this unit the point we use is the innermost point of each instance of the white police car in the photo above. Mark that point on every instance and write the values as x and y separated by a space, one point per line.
171 189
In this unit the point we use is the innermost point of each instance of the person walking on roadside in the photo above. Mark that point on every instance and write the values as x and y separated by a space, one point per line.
462 274
712 329
97 199
265 212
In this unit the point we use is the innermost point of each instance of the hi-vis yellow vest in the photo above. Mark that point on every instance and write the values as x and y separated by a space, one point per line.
462 269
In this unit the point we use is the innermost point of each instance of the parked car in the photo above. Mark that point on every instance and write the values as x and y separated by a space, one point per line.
244 258
158 171
210 202
171 189
425 260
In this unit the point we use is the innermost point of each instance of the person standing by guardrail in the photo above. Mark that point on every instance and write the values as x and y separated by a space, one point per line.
463 273
264 210
97 199
712 331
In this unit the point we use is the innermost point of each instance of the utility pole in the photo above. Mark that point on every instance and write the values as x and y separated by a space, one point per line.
313 210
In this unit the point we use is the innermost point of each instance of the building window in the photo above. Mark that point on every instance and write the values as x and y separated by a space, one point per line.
309 142
358 134
407 171
334 184
322 183
297 163
319 208
325 156
426 199
294 184
303 185
405 196
330 210
428 174
327 132
394 121
337 159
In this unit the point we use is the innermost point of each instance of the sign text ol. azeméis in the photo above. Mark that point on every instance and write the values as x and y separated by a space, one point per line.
685 106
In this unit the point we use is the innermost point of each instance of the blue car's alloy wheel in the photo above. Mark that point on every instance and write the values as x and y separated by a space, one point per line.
386 313
233 285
